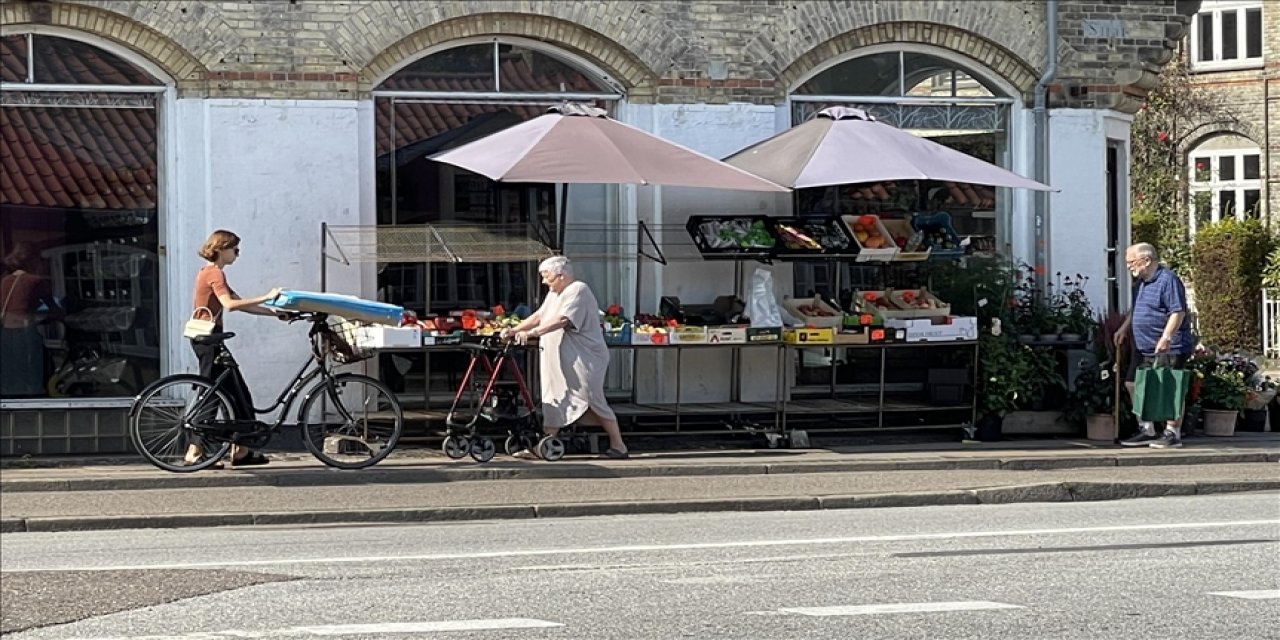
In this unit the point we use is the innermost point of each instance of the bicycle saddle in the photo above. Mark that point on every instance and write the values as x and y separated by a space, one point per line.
214 338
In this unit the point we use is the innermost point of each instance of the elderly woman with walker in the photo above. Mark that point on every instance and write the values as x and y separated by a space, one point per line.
574 357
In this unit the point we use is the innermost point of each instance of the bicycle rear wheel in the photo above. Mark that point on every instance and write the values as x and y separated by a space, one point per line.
161 421
351 421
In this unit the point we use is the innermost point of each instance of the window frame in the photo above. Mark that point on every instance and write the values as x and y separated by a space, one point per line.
1216 9
1215 187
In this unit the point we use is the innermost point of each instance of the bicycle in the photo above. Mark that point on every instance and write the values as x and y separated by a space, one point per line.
348 420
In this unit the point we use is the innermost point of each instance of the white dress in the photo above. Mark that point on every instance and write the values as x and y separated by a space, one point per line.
574 360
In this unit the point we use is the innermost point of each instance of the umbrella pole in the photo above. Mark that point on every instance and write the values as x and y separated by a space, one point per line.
564 215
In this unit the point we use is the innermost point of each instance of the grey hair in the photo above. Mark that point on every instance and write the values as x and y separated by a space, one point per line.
556 265
1146 250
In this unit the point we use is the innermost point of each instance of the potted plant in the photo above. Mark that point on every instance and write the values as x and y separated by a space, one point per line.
1077 315
1003 382
1261 391
1222 395
1093 402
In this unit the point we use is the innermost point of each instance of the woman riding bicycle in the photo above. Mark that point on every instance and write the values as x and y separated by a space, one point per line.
212 297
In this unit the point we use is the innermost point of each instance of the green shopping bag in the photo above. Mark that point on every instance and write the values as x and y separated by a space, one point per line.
1159 393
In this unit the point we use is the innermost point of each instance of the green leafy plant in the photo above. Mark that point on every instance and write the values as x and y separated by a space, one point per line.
1004 370
1224 390
1229 258
1271 274
1094 393
1072 306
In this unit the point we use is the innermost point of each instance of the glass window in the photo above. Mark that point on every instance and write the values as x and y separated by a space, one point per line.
64 61
1253 33
521 69
1251 167
873 75
1202 204
1252 203
1204 24
465 68
1227 168
1226 205
1230 37
13 58
1202 169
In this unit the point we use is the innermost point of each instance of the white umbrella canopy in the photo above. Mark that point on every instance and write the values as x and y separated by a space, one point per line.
579 144
841 145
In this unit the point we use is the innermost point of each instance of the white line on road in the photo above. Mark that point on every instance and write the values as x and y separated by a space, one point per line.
359 629
742 544
1262 594
902 607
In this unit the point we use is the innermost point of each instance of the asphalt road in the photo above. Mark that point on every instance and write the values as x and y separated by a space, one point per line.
1184 567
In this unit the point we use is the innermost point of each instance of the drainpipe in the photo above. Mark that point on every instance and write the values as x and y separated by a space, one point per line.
1042 138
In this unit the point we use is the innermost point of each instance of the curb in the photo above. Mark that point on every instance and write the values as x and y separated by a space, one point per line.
576 471
1041 492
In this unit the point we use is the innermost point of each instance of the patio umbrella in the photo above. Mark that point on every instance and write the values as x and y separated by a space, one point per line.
841 145
579 144
576 143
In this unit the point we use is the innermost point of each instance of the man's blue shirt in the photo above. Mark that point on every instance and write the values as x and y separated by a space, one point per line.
1154 301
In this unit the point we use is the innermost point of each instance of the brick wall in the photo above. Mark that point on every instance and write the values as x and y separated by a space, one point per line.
659 50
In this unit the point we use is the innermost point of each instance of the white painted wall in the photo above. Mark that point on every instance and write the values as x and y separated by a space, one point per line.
1077 167
271 171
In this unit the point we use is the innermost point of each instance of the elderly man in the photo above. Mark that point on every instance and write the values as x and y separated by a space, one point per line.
1159 329
574 356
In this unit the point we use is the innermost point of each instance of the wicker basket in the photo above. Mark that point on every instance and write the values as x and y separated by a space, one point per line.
342 341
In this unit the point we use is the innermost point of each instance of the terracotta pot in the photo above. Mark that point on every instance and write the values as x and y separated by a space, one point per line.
1101 427
1220 423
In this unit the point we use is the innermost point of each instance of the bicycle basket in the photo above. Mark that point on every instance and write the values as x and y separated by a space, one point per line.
342 341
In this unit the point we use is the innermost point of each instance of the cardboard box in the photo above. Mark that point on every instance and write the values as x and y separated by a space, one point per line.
639 337
689 335
903 229
792 306
901 309
727 335
437 338
805 335
936 329
858 335
383 337
764 334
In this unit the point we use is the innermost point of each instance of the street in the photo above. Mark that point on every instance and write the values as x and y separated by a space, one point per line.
1189 567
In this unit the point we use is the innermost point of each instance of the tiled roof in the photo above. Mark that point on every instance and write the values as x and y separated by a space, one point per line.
78 157
63 61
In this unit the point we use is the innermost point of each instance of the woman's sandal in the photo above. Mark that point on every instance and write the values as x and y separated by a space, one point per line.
253 459
614 454
217 466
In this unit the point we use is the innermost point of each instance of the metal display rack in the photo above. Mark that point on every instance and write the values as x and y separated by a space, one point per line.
662 244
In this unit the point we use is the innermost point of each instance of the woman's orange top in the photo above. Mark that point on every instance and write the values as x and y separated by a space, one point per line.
211 282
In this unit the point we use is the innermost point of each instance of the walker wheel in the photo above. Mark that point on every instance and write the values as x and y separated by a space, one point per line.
551 448
456 447
512 445
482 449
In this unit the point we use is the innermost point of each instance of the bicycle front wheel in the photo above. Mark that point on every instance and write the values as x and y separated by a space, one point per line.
351 421
162 421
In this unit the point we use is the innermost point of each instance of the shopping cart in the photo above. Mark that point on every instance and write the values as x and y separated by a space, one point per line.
493 394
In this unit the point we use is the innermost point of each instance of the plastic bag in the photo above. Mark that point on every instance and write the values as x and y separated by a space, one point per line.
1159 393
762 304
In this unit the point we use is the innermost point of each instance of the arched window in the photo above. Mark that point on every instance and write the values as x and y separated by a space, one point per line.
79 187
1225 174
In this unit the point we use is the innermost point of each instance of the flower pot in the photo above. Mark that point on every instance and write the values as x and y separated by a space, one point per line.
1253 420
1275 415
1101 427
1219 423
990 428
1048 337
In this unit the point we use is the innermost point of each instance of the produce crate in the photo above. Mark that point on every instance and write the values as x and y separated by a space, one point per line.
937 329
380 337
898 298
621 335
792 306
729 236
727 335
898 228
804 335
757 335
640 337
939 234
855 225
689 335
809 237
436 338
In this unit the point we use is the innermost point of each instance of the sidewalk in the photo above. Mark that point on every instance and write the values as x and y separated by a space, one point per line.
420 486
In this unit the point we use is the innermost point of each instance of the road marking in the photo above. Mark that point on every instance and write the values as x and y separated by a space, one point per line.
743 544
874 609
358 629
1262 594
901 607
